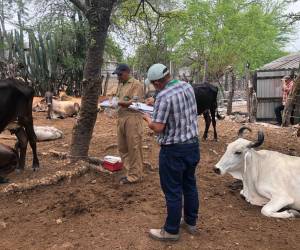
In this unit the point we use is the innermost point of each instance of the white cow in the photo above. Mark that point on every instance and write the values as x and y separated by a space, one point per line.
270 179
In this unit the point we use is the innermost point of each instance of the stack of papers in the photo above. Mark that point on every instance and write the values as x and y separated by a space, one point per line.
139 106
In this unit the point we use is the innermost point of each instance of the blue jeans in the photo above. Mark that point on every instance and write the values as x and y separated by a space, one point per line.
177 164
278 111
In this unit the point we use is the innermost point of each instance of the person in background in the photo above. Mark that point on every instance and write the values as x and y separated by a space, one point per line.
175 121
129 125
287 86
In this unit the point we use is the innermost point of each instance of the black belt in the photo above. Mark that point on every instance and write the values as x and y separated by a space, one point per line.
190 141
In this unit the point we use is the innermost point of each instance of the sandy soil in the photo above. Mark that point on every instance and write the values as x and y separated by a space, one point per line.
94 212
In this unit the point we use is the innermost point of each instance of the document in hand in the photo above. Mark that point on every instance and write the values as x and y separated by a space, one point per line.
139 106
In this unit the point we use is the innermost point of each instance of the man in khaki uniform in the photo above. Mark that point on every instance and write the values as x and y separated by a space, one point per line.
130 125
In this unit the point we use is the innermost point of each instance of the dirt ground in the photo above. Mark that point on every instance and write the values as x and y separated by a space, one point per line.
94 212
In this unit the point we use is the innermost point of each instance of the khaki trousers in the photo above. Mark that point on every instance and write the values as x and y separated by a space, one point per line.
130 131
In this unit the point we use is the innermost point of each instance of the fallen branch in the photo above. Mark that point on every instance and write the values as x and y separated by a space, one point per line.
7 137
46 181
111 146
65 155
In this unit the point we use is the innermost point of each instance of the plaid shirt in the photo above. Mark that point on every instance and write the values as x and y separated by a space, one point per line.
176 107
286 89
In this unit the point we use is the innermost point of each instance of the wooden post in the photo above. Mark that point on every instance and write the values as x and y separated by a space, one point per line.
290 101
231 92
249 89
252 117
106 83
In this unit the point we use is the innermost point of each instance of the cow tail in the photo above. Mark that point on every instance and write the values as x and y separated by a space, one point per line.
218 115
216 106
217 112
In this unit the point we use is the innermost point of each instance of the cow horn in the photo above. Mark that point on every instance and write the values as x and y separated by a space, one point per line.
242 129
259 141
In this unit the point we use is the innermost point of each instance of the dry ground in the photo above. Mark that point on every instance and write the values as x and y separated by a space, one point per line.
97 213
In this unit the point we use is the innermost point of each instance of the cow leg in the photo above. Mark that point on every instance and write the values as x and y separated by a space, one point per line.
21 147
49 111
213 117
207 123
275 204
32 141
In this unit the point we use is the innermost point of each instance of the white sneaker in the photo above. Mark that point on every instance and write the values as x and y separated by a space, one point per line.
161 234
189 228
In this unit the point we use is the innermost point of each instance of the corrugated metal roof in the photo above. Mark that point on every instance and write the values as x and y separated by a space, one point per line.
287 62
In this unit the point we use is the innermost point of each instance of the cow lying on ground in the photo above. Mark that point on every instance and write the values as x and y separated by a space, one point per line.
45 133
9 161
16 116
206 98
270 179
60 109
64 97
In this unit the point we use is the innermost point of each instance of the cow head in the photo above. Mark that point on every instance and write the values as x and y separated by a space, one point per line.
49 102
232 161
48 98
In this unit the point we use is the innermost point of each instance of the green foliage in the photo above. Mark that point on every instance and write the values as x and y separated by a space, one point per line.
112 50
53 46
228 32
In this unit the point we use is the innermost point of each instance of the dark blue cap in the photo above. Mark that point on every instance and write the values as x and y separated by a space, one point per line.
121 67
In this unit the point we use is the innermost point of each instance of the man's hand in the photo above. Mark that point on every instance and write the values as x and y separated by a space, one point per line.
157 127
150 101
147 118
125 104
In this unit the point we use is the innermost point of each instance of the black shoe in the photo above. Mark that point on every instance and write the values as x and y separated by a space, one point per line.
3 180
124 180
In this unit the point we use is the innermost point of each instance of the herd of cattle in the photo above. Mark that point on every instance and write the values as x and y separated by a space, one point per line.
270 179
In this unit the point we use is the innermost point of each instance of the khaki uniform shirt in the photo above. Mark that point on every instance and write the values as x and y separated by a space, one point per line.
126 92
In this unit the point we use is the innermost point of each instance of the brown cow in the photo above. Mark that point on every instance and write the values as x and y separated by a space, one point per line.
60 108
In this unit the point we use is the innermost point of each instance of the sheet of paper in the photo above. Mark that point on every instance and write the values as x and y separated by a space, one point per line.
105 104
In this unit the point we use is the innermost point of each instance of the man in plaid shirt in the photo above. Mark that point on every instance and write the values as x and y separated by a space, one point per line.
287 86
175 121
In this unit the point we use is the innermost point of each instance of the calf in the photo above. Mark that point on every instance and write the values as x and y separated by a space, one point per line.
16 116
9 161
270 179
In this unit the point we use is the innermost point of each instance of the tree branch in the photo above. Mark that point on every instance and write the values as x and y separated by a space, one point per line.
80 5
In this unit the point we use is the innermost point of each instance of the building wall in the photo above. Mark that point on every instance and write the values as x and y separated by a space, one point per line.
269 94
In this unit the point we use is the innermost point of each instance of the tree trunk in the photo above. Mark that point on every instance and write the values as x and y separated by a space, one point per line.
98 16
205 68
226 81
231 93
289 105
106 84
